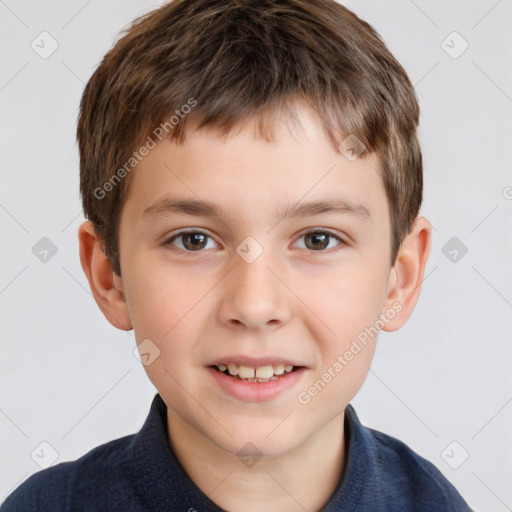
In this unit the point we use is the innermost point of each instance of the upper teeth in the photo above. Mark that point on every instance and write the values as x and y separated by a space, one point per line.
261 372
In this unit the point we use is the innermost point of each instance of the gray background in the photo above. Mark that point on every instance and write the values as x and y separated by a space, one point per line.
442 384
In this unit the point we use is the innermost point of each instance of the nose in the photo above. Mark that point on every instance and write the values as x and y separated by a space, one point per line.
254 297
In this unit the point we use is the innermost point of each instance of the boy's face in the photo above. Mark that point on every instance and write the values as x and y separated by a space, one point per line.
253 286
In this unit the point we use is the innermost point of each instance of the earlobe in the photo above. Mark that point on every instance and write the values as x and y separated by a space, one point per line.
106 287
407 274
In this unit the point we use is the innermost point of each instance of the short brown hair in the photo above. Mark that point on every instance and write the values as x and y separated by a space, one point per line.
236 60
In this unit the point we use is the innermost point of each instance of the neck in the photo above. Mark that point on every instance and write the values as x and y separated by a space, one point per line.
271 484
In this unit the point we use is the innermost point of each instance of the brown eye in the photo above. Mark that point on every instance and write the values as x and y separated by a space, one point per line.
317 241
192 241
320 240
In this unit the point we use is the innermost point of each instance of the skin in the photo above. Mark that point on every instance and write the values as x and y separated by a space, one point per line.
295 301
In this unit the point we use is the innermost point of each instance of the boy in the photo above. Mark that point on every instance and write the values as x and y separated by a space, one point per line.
252 179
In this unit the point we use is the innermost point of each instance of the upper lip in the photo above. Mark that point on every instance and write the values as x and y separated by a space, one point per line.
254 362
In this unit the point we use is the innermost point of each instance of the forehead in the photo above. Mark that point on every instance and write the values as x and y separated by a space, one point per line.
243 174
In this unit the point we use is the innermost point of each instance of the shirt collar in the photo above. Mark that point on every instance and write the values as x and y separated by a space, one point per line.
162 483
159 478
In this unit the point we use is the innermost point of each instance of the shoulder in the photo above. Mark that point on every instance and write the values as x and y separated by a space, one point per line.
101 476
410 478
383 474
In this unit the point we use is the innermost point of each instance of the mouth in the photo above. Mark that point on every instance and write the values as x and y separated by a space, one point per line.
256 379
262 373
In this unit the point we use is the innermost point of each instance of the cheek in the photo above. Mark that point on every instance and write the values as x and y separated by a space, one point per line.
164 311
160 302
169 306
347 303
348 308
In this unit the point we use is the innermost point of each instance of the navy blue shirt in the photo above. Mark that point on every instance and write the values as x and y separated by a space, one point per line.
140 473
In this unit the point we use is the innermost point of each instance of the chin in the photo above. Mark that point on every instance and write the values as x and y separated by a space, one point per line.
271 439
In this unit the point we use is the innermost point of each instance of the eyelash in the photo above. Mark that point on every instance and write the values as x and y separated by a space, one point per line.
314 231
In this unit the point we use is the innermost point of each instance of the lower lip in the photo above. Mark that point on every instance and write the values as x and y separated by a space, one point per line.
256 391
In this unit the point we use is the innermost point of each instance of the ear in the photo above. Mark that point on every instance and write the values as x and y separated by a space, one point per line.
106 286
406 275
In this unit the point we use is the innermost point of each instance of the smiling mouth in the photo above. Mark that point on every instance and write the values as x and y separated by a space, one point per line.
260 374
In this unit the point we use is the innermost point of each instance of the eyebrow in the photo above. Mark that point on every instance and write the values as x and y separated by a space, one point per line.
167 206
